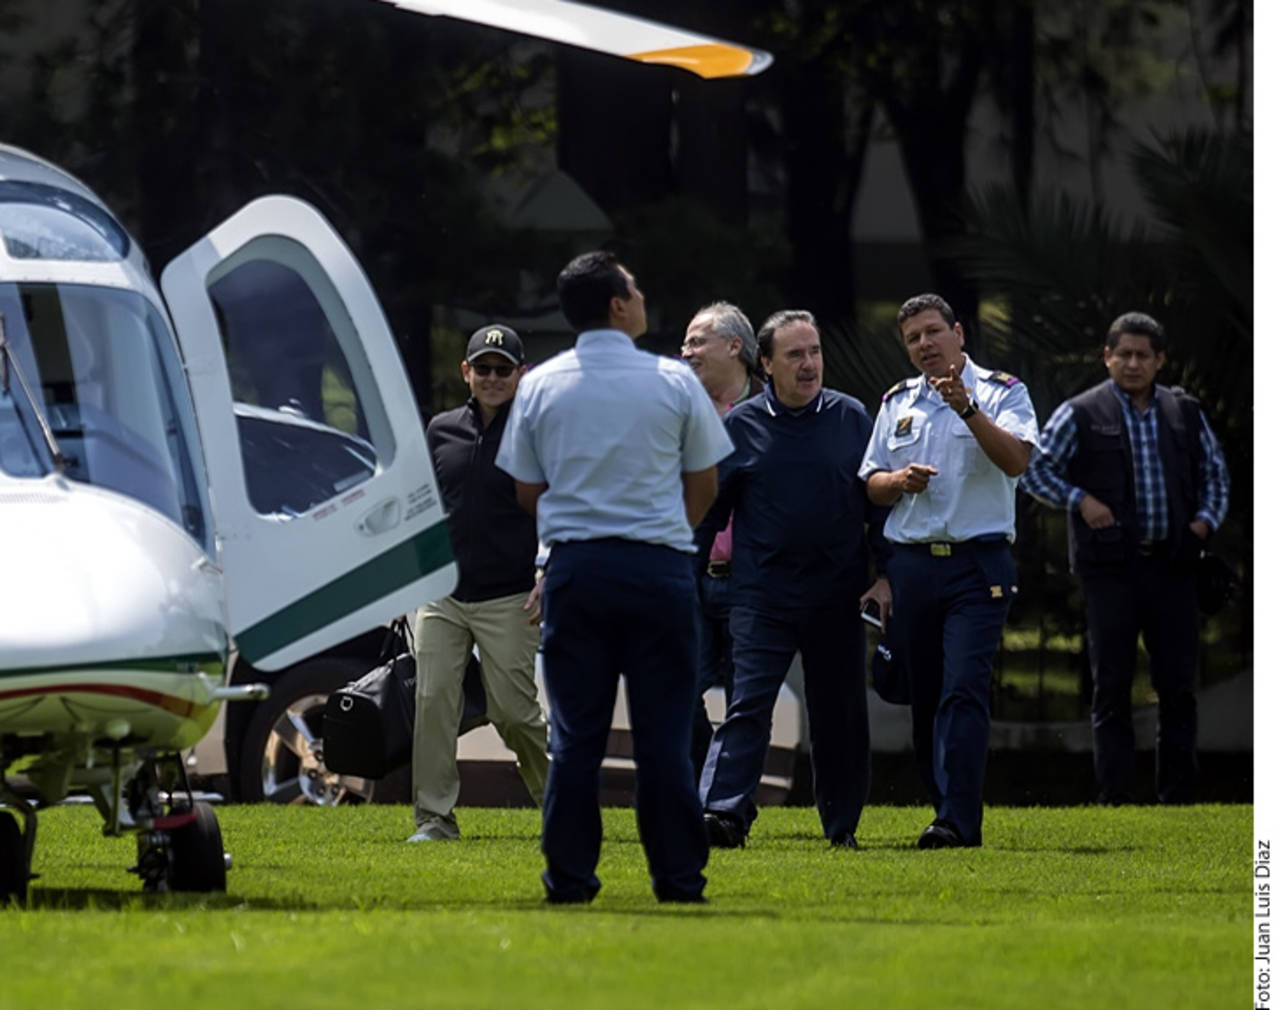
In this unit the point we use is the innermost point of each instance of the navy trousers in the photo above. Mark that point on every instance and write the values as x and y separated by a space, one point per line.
950 612
832 648
1157 598
620 606
715 658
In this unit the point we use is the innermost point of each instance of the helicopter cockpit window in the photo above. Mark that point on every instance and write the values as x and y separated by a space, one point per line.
40 222
101 366
304 397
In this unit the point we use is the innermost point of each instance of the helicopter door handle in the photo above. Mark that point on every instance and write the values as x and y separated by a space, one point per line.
382 517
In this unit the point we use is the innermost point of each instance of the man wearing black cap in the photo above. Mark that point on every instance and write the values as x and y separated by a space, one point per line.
496 603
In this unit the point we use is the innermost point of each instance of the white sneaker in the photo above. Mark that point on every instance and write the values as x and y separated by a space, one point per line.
430 834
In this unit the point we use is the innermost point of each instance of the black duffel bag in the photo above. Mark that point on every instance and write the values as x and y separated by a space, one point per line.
368 725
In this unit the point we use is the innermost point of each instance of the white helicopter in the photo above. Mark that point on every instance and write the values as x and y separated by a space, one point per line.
238 466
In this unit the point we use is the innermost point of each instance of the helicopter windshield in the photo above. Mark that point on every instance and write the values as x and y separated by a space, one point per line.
103 366
39 221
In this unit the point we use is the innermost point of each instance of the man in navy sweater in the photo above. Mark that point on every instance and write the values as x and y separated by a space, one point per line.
800 574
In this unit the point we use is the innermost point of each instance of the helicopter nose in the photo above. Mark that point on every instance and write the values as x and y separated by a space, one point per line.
99 578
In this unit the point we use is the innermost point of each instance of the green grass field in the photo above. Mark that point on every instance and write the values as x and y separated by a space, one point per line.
1077 907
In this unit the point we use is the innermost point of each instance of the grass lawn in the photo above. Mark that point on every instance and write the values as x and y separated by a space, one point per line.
1064 907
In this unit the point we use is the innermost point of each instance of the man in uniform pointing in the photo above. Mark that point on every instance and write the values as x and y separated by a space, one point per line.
946 452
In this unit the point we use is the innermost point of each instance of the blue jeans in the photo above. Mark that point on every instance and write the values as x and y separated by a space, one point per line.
620 606
831 646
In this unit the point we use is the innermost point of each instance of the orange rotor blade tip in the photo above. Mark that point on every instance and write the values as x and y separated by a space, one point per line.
709 60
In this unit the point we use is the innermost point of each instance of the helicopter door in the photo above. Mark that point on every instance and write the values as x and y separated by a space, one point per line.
325 504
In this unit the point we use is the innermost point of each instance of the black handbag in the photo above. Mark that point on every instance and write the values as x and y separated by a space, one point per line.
368 725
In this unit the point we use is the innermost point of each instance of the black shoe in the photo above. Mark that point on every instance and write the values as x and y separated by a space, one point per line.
569 898
941 835
575 895
723 832
688 899
844 841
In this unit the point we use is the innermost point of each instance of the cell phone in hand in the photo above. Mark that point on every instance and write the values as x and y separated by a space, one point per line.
871 614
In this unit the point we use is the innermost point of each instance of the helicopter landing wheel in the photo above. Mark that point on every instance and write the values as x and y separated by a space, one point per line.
196 860
14 869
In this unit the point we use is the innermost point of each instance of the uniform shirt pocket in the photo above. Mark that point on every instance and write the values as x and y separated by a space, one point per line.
906 432
962 447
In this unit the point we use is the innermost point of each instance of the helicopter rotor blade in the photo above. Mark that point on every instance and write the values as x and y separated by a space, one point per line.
604 31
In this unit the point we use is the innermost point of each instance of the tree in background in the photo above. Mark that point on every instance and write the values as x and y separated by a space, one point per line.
386 121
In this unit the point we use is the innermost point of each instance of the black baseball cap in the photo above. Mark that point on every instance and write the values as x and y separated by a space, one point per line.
496 339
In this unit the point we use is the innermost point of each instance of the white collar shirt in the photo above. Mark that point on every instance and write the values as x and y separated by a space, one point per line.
610 429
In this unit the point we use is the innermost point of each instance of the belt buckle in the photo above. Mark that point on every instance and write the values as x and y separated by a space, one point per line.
940 550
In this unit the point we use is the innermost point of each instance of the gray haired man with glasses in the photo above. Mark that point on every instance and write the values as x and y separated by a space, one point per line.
720 347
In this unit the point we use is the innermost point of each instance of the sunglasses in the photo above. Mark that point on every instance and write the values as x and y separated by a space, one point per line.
501 371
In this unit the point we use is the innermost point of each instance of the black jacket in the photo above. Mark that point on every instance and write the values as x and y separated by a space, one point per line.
494 539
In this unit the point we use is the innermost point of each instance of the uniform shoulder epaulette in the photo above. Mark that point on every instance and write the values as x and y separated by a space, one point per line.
895 389
1004 378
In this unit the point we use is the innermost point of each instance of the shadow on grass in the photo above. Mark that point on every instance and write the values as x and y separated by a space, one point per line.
910 845
104 899
1070 850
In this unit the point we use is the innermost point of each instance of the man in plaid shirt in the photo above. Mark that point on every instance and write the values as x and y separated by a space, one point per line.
1143 480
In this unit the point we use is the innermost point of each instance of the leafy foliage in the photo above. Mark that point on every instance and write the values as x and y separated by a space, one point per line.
1067 267
393 125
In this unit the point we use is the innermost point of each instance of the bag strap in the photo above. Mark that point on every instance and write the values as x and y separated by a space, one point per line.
399 638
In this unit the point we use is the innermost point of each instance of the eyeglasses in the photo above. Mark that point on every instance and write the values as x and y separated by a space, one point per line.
695 343
501 371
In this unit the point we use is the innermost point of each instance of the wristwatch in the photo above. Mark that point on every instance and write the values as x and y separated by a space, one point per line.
970 409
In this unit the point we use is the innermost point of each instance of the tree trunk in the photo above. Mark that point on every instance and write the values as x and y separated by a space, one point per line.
163 128
821 183
614 128
711 152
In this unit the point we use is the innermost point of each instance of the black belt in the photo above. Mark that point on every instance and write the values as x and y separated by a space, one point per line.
718 569
1150 548
946 548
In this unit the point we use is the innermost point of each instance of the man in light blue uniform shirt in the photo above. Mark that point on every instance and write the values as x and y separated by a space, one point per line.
616 449
946 451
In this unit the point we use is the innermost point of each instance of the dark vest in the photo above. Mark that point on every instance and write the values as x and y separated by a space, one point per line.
1103 466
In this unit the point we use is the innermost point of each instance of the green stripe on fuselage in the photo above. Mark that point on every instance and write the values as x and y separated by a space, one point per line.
394 569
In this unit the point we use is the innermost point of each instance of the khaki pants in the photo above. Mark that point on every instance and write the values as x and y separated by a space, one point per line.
443 636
